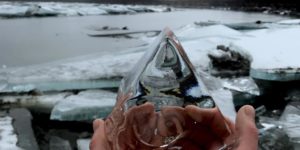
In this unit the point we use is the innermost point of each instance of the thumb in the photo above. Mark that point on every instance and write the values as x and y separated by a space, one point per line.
246 130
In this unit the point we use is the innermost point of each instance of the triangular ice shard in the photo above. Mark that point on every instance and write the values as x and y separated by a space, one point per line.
164 77
149 111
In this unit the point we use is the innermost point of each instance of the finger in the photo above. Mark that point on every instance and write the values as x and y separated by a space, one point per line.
96 123
246 129
99 141
211 118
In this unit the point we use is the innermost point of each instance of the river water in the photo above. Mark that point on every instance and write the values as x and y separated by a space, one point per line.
29 41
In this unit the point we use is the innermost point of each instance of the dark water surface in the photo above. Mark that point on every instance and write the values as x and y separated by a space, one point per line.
28 41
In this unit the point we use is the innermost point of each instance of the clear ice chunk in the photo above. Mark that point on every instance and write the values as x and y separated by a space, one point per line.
150 109
85 106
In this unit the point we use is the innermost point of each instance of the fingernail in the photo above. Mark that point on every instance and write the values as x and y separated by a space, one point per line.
249 111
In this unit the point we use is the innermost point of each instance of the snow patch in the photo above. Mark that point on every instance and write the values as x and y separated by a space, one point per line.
8 139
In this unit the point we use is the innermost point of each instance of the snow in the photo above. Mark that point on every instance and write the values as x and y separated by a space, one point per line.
27 9
189 32
275 53
86 68
199 41
8 138
194 91
290 22
8 10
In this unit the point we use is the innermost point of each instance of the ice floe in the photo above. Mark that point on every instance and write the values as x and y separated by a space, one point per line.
86 105
275 53
40 9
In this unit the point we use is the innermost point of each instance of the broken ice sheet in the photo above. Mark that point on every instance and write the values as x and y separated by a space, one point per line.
272 135
275 139
87 105
242 84
287 124
290 120
92 71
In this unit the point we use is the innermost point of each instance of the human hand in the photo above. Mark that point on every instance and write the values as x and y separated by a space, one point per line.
244 132
209 132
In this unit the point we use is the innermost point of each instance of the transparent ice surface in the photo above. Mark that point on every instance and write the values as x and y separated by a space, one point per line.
86 105
242 84
163 80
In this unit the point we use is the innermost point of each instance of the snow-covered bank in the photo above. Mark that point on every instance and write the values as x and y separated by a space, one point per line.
8 137
40 9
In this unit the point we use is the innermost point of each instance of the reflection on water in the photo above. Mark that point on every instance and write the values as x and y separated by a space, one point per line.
40 40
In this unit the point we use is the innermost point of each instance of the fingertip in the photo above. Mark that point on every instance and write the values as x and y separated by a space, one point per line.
97 123
249 111
246 128
246 118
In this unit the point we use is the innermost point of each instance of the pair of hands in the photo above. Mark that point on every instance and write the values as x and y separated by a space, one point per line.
244 131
